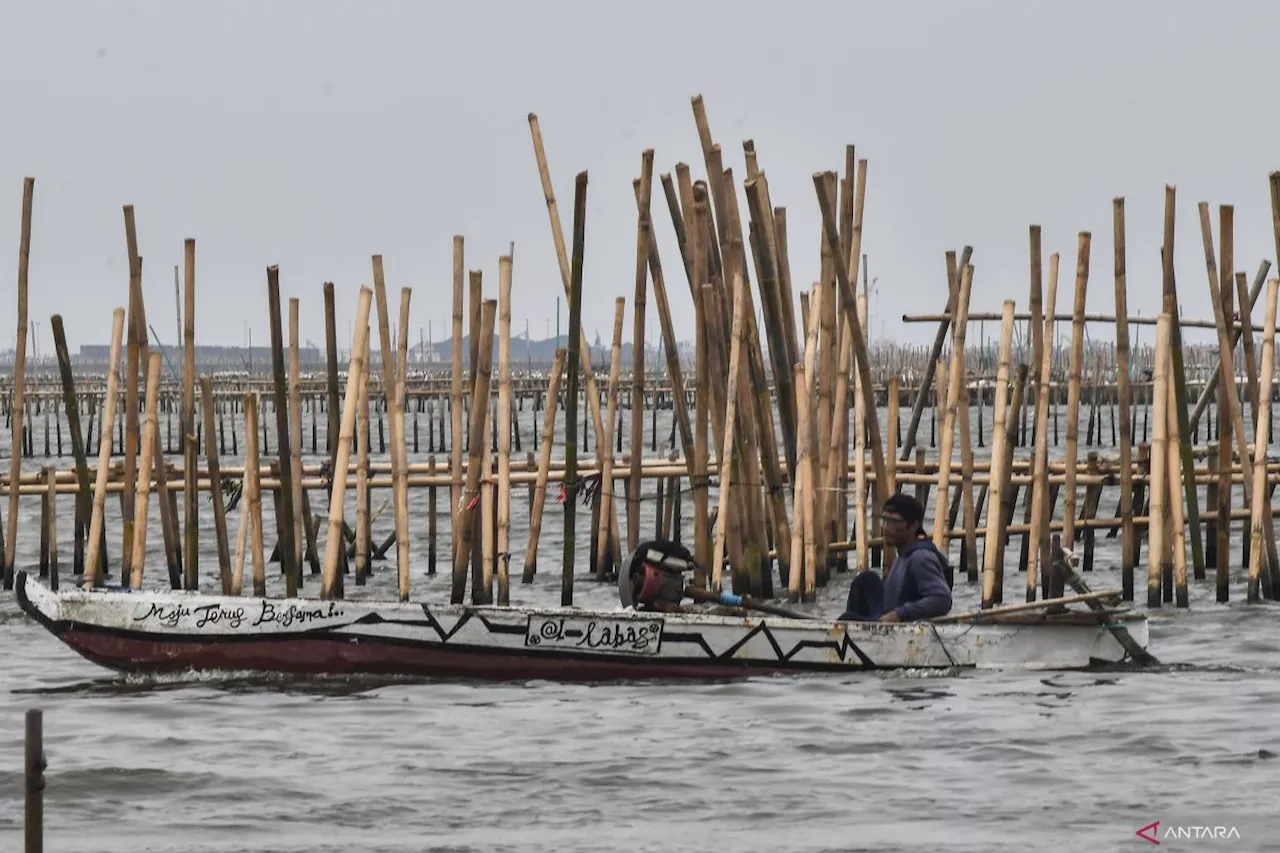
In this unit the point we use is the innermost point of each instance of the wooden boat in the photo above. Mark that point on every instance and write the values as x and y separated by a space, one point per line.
158 631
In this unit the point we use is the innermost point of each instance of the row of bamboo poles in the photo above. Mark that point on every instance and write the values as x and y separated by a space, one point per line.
781 404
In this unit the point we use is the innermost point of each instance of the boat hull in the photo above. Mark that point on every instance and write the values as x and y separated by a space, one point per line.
154 632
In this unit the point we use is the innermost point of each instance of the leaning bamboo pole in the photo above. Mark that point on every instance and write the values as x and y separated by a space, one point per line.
19 379
860 440
335 540
295 433
1260 506
1237 419
362 469
544 466
643 241
105 430
956 385
1177 520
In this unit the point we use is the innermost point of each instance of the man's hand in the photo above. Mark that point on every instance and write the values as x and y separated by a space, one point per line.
891 616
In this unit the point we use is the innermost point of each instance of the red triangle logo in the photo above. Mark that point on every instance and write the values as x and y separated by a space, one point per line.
1148 832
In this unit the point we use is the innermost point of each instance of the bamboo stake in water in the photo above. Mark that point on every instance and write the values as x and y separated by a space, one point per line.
191 452
253 494
1237 419
288 508
799 562
860 441
504 430
362 470
544 466
606 473
215 485
397 439
1040 478
730 433
470 498
455 393
1159 463
1073 394
643 239
995 494
955 386
1260 505
19 380
1127 534
1178 534
139 543
335 540
295 432
105 432
576 359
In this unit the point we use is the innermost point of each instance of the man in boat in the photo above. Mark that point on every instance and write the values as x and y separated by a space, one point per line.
916 587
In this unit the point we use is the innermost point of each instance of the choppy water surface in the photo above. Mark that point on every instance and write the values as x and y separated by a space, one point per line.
915 761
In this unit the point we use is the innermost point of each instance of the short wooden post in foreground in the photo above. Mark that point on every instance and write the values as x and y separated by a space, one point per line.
35 764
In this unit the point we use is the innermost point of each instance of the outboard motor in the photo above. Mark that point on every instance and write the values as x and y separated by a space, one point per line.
654 575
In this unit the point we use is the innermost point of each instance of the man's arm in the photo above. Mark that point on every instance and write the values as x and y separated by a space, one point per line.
931 583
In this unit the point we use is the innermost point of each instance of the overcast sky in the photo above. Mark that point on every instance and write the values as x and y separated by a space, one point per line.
313 135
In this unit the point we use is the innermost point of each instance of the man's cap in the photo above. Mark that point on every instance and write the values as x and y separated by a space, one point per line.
906 506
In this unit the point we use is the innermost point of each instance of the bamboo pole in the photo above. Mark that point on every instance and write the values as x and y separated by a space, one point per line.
362 470
455 394
470 499
1260 503
643 241
1177 538
1124 393
862 359
1073 394
730 433
544 465
575 359
215 485
606 472
135 334
401 495
253 492
191 451
1180 386
1211 382
955 386
139 543
295 434
999 472
1039 479
1159 464
71 404
335 540
288 508
1237 420
584 348
246 518
504 431
860 440
19 380
105 430
800 565
394 406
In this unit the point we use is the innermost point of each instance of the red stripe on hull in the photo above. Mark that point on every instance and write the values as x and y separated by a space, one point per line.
334 656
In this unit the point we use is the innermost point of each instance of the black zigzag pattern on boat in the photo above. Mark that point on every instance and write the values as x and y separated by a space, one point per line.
841 649
762 628
466 617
